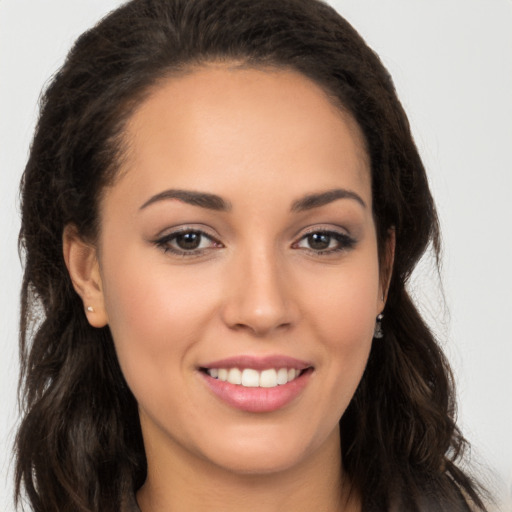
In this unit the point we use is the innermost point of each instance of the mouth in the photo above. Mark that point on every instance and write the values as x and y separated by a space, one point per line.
257 384
252 378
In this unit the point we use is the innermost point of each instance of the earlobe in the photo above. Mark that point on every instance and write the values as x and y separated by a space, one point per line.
83 268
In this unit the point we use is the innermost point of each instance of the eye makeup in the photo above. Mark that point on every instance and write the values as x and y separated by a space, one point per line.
325 242
188 241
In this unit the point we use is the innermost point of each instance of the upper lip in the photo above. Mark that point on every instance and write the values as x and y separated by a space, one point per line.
259 362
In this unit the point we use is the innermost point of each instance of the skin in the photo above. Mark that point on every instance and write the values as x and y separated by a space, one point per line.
260 139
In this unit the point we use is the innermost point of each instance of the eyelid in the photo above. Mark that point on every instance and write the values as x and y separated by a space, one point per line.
340 234
313 228
183 228
323 228
163 241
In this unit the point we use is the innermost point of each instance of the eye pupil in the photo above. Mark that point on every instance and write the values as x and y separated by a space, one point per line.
188 241
319 241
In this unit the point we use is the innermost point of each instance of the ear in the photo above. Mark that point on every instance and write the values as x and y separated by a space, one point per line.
386 270
84 270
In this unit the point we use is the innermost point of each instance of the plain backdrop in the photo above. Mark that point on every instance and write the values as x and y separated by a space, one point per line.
452 65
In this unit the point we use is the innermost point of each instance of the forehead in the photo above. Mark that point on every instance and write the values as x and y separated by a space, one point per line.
224 122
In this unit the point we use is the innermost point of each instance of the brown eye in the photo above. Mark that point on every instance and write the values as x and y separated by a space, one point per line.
319 241
325 242
188 241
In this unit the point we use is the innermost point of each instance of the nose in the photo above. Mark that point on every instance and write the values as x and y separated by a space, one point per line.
259 298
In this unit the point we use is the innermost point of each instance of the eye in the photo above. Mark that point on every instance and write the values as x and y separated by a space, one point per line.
187 242
325 242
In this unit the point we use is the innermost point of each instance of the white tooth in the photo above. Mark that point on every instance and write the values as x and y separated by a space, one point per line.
213 372
250 378
268 378
223 374
235 376
282 376
292 373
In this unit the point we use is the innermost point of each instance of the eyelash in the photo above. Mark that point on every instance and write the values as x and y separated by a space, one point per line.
165 242
344 242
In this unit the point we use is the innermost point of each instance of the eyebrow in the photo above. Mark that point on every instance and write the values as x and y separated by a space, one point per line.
202 199
217 203
311 201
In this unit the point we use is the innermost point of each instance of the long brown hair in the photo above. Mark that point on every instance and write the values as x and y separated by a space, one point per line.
79 446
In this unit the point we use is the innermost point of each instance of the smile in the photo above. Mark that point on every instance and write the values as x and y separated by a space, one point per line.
257 384
251 378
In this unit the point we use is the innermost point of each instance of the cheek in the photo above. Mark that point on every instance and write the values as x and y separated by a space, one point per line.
155 317
346 307
344 319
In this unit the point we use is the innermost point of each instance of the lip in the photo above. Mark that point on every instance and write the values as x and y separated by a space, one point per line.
258 400
259 363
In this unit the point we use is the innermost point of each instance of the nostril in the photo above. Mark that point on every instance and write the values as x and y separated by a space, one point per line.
259 328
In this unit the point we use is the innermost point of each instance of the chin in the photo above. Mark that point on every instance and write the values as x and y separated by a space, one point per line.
267 453
261 464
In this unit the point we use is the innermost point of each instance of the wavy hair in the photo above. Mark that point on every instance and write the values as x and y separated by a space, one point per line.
79 446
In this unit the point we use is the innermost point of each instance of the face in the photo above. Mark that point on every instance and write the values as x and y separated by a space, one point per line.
239 267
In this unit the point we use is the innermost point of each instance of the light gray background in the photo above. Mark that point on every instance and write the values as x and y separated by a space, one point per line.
452 65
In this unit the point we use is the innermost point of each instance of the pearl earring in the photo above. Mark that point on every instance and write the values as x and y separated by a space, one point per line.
90 309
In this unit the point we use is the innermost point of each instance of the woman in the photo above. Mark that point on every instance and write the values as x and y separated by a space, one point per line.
221 209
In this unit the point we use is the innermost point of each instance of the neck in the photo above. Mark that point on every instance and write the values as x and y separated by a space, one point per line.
182 482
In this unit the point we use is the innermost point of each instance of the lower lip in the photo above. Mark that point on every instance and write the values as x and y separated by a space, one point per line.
258 399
